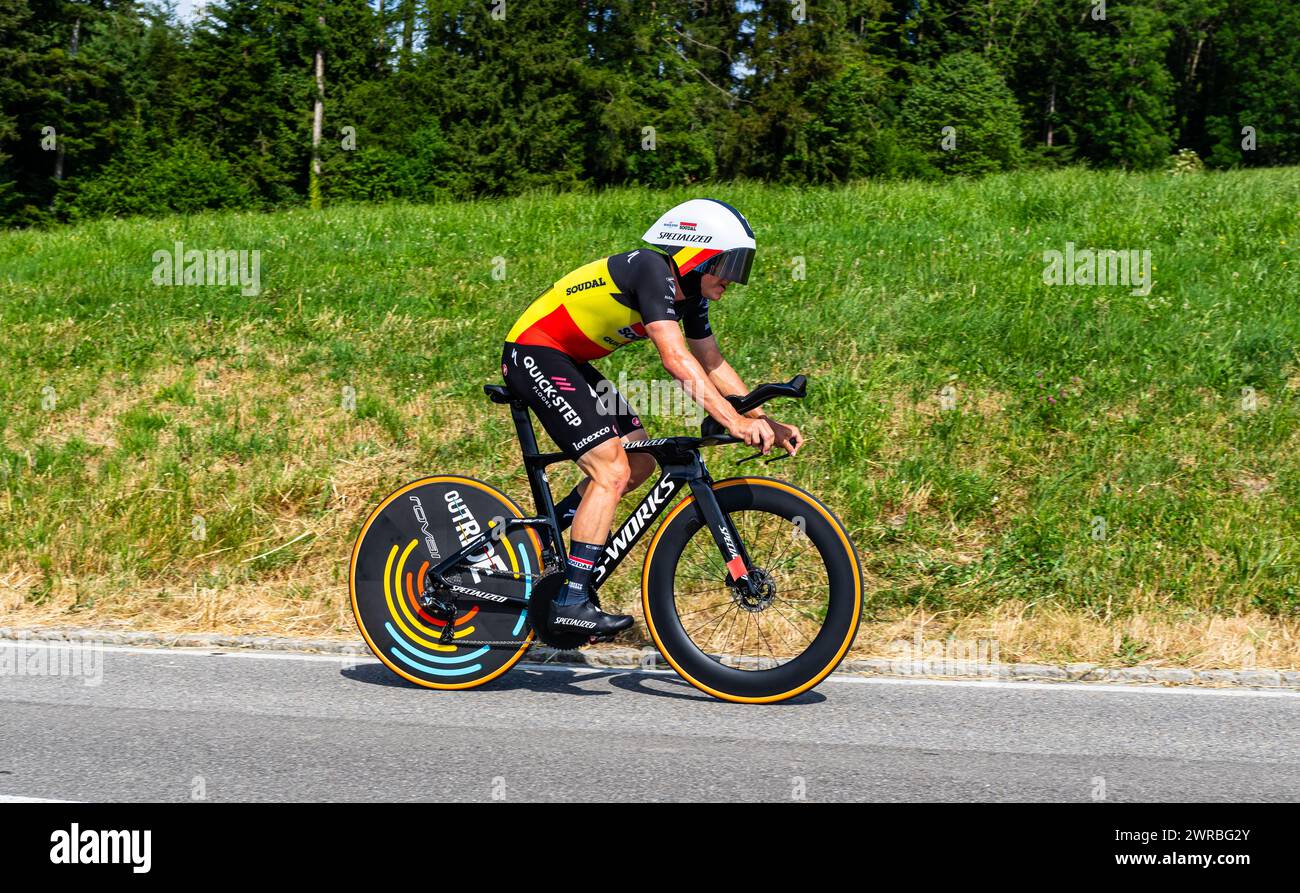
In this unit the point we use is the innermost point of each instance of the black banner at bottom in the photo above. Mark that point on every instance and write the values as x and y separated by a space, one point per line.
316 842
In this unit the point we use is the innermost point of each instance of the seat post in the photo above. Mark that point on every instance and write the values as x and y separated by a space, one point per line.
543 502
534 462
524 427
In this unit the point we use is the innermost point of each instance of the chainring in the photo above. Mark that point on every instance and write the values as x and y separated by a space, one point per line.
539 612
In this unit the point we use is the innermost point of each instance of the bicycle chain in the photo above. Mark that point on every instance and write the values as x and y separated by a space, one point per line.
533 644
547 572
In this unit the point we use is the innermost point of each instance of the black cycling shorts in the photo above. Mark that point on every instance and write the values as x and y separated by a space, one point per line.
577 405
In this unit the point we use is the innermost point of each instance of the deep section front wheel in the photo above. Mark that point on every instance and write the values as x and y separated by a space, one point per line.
781 637
414 528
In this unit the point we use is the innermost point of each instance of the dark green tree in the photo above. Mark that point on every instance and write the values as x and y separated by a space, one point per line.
17 52
816 97
1255 84
962 117
1123 93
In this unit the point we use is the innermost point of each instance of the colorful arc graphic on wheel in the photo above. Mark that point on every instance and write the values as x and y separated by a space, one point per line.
390 564
447 662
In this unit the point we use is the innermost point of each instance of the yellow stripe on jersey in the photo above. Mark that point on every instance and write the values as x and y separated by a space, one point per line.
579 316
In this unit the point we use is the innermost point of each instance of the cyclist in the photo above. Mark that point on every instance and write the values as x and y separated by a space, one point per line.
696 250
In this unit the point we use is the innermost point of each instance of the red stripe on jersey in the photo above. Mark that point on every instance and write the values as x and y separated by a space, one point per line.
558 331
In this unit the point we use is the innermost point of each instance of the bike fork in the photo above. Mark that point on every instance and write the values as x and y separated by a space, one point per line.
723 530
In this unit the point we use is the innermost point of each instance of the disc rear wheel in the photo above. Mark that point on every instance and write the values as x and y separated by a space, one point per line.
411 530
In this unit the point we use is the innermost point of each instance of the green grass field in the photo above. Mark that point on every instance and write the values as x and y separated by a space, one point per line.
183 457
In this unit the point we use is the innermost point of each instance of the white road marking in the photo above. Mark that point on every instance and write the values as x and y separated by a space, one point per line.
1005 685
7 799
190 651
1095 687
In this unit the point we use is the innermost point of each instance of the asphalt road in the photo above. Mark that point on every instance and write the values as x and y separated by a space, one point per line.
179 725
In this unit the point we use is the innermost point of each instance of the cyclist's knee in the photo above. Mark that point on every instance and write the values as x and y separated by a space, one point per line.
614 478
607 466
619 474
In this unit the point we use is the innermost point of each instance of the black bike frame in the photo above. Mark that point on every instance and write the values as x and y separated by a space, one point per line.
680 466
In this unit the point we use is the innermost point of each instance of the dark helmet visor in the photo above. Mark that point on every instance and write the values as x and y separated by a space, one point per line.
731 265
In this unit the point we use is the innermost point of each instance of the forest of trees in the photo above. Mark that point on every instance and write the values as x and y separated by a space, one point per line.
121 107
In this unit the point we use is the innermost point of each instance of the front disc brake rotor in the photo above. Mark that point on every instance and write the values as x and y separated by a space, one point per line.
759 594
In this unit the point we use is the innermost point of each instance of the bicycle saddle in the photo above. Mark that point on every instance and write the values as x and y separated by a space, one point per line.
498 393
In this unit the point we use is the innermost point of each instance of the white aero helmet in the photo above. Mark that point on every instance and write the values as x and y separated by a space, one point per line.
706 235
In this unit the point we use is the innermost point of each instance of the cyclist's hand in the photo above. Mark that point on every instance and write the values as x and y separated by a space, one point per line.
755 432
788 437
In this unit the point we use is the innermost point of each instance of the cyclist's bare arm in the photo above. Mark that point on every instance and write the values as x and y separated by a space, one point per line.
720 372
682 365
728 381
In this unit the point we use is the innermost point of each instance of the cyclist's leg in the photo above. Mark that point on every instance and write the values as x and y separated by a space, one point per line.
608 475
626 421
555 388
628 425
641 465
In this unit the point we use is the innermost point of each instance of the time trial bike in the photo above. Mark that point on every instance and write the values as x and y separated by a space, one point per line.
751 588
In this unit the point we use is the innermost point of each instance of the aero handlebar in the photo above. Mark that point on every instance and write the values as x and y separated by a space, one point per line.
796 387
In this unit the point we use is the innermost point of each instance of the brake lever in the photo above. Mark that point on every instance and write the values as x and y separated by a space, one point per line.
768 462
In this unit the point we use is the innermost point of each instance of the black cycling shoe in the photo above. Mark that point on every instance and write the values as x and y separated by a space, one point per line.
584 617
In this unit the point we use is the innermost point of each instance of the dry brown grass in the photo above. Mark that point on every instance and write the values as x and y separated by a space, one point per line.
1053 635
1022 635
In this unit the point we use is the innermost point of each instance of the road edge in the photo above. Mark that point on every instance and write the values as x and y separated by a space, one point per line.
648 659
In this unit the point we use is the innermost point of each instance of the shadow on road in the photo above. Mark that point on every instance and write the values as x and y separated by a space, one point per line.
561 680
